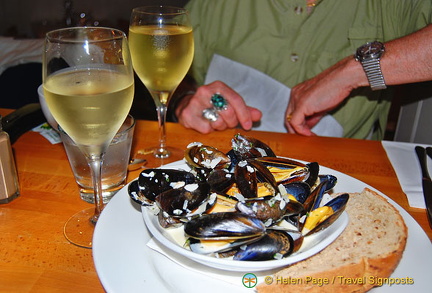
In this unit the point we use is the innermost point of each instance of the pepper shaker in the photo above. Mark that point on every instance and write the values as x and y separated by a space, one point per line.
9 187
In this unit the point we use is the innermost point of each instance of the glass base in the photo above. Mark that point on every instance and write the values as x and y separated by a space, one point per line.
155 159
79 228
87 194
161 153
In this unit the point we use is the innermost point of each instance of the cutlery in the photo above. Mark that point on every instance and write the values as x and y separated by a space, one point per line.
136 163
429 152
426 180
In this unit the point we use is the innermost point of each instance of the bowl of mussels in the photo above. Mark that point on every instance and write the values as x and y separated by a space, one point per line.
242 210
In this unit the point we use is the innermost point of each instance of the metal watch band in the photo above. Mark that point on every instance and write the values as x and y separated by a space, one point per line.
374 75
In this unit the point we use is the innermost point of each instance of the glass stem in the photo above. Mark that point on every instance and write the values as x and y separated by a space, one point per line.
161 112
95 164
161 100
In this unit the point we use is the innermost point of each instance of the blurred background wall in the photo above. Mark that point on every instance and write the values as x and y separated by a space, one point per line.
32 18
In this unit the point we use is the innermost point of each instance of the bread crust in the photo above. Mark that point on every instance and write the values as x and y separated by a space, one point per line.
360 276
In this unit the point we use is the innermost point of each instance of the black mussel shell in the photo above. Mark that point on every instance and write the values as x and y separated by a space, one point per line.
224 225
270 211
155 181
181 202
214 246
136 195
313 173
220 180
246 147
330 179
338 205
274 245
300 190
203 156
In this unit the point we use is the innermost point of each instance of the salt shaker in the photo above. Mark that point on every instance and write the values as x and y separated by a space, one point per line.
9 187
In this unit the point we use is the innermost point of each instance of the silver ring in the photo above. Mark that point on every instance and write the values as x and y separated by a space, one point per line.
210 114
219 102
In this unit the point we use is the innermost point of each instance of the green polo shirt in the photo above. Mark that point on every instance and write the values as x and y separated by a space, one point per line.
281 39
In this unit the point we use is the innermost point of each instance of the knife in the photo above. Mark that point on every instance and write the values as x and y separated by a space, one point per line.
429 152
426 180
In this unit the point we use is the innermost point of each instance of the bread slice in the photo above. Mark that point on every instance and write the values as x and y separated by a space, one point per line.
369 248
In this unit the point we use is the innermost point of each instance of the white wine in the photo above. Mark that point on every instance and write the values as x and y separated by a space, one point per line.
89 104
161 56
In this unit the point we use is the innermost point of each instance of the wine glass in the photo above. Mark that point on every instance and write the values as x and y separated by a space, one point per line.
89 87
162 49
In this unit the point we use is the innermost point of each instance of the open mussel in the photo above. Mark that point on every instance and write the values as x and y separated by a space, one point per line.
198 155
219 246
254 180
299 190
322 217
245 147
270 211
275 244
285 170
223 226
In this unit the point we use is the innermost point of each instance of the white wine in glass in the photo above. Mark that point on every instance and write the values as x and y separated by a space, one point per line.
162 49
89 87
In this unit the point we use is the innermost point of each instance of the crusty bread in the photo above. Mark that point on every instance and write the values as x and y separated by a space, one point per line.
369 248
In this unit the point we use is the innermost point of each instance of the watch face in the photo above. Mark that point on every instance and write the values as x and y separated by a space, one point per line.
370 50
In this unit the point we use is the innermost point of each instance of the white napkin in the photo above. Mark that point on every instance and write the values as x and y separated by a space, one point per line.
265 93
234 278
407 167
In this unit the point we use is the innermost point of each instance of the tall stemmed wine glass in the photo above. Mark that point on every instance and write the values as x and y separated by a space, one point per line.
89 87
162 49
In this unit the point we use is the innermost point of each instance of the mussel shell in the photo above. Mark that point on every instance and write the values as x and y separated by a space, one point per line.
246 179
330 179
203 156
224 225
183 202
263 173
248 173
245 147
314 199
300 190
274 245
269 211
218 246
152 182
167 221
338 205
313 173
220 180
295 170
136 195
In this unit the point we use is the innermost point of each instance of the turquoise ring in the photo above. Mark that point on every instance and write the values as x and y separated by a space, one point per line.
219 102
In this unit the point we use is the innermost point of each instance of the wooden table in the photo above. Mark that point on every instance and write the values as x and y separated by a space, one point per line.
35 256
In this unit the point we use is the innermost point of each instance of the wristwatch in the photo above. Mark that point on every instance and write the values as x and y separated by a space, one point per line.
369 56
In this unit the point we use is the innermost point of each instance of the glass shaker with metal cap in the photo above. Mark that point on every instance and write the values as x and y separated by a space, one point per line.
9 187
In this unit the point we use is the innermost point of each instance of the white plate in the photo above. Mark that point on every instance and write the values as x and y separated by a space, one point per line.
124 263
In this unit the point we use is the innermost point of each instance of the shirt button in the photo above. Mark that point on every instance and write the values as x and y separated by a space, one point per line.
298 10
294 57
